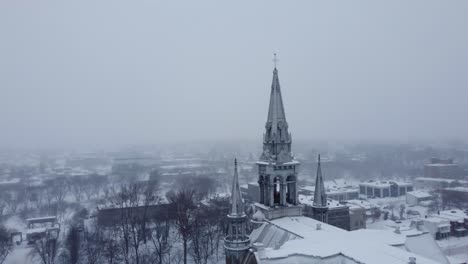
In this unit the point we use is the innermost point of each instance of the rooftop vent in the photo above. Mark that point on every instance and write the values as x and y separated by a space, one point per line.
412 260
319 226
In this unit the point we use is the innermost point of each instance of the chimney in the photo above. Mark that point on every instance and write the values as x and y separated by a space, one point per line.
412 260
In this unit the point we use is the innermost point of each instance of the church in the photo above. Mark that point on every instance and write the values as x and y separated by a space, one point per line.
281 233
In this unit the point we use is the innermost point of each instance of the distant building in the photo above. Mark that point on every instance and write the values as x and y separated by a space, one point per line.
438 227
455 196
110 217
437 183
440 168
415 197
384 189
458 220
333 212
357 217
334 193
41 227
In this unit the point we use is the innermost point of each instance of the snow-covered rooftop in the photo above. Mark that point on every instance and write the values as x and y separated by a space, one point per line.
458 189
420 194
364 246
439 180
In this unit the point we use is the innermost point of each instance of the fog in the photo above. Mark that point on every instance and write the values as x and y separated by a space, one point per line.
104 73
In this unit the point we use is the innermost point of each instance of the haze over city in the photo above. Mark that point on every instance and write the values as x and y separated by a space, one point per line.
111 73
251 132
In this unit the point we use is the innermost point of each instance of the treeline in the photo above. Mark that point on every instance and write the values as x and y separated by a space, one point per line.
189 229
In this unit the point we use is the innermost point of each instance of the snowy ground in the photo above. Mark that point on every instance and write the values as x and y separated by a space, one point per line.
20 255
457 259
455 246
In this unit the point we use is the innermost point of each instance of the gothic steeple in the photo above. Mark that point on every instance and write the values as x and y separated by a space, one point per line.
237 207
277 168
320 206
277 140
320 197
237 242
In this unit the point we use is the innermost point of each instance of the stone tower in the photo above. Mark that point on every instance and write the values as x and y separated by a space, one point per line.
237 242
277 168
320 205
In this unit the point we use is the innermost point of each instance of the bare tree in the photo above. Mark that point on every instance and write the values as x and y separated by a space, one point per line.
93 245
111 251
207 233
4 244
77 187
402 210
133 201
185 205
12 200
73 245
46 249
161 239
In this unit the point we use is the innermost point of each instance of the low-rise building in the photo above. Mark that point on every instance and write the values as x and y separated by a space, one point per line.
437 183
455 196
357 217
438 227
443 168
334 192
382 189
458 220
339 213
415 197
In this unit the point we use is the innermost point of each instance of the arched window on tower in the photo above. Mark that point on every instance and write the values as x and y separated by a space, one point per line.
277 190
291 189
261 185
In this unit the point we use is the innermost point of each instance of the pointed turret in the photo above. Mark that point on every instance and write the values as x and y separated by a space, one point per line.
237 207
277 140
320 206
320 197
236 242
276 108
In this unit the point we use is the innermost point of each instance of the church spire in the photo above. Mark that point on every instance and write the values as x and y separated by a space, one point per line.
277 140
236 242
237 207
276 107
320 197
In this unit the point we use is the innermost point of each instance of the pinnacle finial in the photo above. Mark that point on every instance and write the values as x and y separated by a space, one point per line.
275 59
236 197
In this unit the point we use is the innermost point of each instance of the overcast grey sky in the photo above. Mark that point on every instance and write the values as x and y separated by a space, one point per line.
128 72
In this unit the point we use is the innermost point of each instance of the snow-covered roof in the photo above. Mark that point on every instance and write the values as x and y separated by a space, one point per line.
368 246
458 189
36 230
383 184
12 181
309 200
454 213
420 194
439 180
42 219
436 220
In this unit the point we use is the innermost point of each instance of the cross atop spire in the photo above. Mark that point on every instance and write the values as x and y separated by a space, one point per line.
237 207
275 59
320 197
